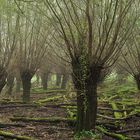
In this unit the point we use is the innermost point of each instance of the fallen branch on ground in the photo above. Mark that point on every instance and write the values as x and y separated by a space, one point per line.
118 119
135 137
57 128
49 120
114 110
99 108
13 136
113 135
50 99
129 130
71 122
4 125
49 91
14 106
4 102
117 115
59 105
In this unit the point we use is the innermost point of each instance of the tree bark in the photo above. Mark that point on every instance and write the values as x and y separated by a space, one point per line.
44 78
121 75
10 84
137 79
80 97
37 78
3 76
18 81
86 96
91 97
26 77
103 75
18 85
58 79
64 81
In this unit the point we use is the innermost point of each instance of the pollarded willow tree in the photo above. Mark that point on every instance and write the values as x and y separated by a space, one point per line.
131 57
32 46
10 77
45 70
58 63
130 60
60 67
9 24
53 64
122 74
94 31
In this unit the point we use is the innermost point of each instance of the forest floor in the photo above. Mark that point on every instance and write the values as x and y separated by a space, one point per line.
45 118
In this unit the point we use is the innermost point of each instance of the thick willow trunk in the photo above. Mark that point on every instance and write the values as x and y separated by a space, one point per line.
18 85
58 79
86 96
80 105
64 81
10 84
103 76
121 76
80 97
37 79
44 78
91 98
26 77
137 79
3 76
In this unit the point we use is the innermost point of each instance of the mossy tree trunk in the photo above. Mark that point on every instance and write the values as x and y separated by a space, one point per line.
18 85
37 78
79 86
3 76
58 79
64 81
86 86
44 79
91 97
26 77
80 97
103 75
137 79
121 75
10 83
